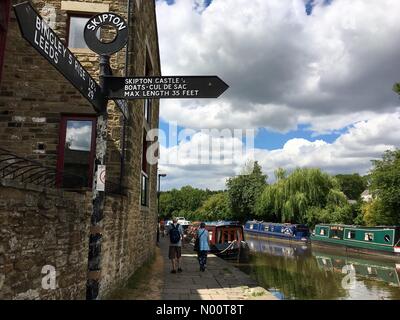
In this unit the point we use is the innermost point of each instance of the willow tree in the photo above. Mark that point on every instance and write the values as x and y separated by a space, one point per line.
301 197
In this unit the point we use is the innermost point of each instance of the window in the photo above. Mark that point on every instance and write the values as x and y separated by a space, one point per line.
148 102
145 173
76 26
369 236
322 232
76 151
351 234
4 17
387 238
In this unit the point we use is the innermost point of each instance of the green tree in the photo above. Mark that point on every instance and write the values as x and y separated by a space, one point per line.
305 196
182 202
215 207
385 188
244 189
352 185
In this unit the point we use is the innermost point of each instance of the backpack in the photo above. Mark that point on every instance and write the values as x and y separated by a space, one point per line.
174 234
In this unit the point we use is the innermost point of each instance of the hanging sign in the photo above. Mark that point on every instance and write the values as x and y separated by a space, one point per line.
101 178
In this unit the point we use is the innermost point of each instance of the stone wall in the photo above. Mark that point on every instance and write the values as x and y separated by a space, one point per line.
33 96
42 227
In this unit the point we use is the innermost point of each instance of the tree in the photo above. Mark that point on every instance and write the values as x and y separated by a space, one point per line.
182 202
215 207
352 185
244 190
385 188
305 196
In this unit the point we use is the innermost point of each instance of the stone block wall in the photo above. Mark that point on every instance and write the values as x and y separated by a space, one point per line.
42 227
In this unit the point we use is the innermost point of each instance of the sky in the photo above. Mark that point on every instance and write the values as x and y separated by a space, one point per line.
311 80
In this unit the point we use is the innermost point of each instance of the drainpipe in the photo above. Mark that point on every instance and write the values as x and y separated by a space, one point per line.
122 166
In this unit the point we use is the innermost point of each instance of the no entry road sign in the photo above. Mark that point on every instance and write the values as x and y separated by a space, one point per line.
164 87
49 45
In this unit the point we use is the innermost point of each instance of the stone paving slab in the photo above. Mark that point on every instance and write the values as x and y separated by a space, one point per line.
220 281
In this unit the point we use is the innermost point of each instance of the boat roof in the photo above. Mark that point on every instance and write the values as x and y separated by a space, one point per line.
222 223
277 223
356 226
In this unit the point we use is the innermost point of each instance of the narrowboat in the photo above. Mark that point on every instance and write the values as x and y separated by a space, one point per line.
227 239
281 231
380 240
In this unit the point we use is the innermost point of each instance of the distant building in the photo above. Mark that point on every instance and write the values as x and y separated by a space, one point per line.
366 196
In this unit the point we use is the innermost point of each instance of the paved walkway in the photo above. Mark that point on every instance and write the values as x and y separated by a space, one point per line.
221 281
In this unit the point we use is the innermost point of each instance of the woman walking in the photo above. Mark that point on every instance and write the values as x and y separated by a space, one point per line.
204 246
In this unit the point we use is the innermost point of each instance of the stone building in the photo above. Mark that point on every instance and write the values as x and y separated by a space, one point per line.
47 152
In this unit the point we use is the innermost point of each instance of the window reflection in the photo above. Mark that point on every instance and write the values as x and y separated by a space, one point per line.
76 27
77 153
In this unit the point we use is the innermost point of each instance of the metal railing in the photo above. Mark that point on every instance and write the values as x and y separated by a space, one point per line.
24 170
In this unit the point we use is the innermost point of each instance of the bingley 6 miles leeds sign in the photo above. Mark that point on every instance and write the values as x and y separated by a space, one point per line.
49 45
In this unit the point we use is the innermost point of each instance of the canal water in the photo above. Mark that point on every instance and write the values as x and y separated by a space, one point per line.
295 271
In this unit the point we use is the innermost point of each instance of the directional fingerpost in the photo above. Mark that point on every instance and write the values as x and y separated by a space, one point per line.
164 87
41 37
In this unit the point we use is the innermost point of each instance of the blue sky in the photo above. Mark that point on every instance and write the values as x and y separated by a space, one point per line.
303 73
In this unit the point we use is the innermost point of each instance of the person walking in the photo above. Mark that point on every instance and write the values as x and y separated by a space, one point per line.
175 232
204 246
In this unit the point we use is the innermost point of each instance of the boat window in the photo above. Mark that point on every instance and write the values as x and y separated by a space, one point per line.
351 234
322 232
369 236
210 235
271 228
251 226
239 238
387 238
219 233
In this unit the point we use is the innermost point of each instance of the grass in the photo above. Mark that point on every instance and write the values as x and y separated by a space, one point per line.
134 282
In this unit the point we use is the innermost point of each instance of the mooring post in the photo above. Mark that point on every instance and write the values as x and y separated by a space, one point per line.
94 259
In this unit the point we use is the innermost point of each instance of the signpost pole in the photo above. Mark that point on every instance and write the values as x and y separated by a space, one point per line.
93 283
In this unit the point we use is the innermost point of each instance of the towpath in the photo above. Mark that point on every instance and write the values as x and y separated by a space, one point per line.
221 280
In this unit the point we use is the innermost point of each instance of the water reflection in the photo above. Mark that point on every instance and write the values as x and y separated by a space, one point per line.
295 271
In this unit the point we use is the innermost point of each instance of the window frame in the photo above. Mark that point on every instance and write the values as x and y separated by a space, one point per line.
62 139
3 32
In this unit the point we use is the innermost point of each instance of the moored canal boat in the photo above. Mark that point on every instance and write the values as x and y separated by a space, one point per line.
372 240
226 239
281 231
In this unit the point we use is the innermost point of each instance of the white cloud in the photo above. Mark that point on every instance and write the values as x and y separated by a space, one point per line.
284 68
351 152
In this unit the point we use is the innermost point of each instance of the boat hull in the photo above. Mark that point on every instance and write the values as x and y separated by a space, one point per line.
388 252
276 236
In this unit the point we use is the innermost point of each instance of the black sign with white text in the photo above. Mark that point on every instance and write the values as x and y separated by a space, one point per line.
165 87
49 45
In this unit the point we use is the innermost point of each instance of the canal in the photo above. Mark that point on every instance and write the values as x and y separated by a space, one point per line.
295 271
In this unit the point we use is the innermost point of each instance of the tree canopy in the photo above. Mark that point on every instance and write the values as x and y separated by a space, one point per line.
305 196
244 189
352 185
385 188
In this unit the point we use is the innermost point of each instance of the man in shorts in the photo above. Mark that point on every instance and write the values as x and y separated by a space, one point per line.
175 232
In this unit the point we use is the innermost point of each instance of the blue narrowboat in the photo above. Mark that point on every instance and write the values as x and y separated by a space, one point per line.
282 231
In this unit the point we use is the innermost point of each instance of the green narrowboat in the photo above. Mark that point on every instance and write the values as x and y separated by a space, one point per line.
383 240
